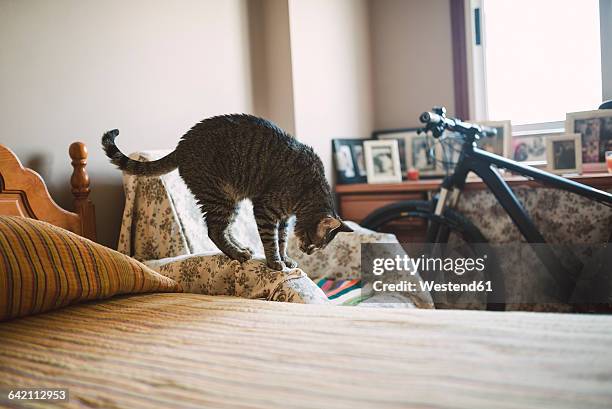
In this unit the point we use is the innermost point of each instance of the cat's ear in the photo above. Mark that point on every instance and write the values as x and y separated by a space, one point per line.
330 224
345 228
326 225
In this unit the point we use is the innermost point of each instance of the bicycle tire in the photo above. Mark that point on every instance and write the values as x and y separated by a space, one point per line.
456 222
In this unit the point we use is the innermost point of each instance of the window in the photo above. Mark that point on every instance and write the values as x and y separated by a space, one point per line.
533 61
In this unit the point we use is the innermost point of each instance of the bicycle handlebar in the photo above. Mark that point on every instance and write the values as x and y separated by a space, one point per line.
430 117
437 122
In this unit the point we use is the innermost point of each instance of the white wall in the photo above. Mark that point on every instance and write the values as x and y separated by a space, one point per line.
330 58
72 69
412 60
322 69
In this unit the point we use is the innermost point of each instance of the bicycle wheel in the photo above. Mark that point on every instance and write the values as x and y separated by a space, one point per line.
460 237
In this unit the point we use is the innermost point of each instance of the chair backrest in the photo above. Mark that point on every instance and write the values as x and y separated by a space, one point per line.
162 219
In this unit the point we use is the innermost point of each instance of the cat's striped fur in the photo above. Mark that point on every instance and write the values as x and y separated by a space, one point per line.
226 159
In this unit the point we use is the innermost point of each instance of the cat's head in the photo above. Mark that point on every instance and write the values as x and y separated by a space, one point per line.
317 234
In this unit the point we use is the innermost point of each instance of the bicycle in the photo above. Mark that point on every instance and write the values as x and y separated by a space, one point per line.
443 220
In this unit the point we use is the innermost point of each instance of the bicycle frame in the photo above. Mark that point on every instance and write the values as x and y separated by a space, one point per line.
485 164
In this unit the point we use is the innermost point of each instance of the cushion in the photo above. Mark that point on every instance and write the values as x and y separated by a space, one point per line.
43 267
213 273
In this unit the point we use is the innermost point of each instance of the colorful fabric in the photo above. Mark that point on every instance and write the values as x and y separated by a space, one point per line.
342 292
43 267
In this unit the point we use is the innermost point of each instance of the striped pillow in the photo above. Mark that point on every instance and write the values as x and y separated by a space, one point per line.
43 267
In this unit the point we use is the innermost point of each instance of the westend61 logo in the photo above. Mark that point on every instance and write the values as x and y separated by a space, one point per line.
459 274
411 265
389 268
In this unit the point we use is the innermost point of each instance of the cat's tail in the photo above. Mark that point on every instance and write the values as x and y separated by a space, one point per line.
133 167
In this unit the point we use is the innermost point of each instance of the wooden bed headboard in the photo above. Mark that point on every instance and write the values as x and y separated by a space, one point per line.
24 193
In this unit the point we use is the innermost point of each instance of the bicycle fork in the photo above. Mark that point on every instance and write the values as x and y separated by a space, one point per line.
448 197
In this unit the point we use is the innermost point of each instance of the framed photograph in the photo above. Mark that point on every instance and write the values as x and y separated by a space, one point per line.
349 160
359 157
595 129
382 161
416 151
499 144
530 148
424 155
564 153
401 135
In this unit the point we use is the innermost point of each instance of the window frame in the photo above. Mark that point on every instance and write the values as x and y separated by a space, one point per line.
476 65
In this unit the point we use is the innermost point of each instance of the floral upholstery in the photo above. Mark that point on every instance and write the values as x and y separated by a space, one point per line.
163 226
216 274
562 217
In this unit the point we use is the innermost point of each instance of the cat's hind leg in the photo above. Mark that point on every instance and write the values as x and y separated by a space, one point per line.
219 218
236 243
267 224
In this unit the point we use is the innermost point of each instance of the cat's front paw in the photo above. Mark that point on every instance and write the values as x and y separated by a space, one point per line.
289 262
243 255
276 265
247 252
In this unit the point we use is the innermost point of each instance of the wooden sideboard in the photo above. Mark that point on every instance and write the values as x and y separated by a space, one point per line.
356 201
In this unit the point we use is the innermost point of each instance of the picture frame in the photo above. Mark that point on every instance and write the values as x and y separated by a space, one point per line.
564 153
382 161
595 129
500 144
529 148
401 136
412 154
424 154
349 160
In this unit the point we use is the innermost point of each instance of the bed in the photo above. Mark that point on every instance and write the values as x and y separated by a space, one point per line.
195 351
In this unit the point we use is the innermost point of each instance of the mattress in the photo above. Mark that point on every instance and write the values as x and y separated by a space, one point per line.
195 351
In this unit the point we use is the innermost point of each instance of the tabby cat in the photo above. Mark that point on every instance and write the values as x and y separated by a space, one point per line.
228 158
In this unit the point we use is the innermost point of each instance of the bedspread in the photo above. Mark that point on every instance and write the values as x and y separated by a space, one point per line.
194 351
